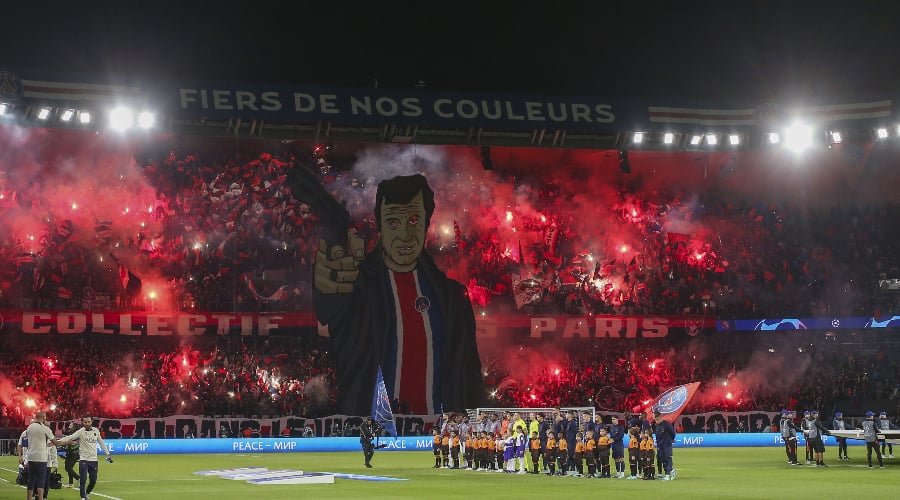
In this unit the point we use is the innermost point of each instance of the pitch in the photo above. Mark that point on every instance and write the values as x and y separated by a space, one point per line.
751 473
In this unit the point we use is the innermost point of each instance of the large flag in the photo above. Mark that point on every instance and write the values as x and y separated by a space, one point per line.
671 403
381 406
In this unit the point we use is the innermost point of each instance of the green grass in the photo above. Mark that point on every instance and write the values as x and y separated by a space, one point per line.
703 473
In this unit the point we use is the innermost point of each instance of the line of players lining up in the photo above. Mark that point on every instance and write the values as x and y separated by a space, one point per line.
510 452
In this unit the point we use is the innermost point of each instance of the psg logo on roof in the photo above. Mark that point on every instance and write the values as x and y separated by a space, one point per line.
10 86
673 400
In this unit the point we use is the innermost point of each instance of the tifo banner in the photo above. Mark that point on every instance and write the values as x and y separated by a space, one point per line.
593 326
525 326
410 443
403 107
144 323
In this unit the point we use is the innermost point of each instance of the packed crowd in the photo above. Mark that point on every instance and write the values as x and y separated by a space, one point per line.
159 378
229 235
738 373
287 376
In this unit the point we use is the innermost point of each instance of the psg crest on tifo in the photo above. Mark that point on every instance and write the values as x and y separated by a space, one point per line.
671 403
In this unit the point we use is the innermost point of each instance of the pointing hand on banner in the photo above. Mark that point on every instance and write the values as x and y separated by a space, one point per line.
336 267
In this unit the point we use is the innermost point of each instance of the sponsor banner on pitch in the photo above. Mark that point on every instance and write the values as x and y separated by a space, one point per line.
412 443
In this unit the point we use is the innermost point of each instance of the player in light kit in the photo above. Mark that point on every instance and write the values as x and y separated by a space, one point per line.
88 438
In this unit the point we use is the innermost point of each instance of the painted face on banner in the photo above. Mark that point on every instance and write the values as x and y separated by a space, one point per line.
403 233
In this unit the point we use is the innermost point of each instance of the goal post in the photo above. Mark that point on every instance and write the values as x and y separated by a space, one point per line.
526 413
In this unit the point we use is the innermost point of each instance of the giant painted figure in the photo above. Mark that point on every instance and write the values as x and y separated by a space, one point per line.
395 309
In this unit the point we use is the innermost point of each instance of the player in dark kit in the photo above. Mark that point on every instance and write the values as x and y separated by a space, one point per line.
665 439
617 434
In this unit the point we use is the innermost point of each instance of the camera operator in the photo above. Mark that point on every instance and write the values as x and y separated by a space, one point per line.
368 432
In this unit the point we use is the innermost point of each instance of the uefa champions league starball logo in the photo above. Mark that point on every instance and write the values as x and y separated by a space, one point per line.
10 86
886 322
673 400
780 324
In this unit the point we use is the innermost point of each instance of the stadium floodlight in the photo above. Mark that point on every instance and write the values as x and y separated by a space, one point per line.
836 137
695 140
882 133
121 119
146 120
712 139
67 115
774 138
668 138
44 113
638 137
798 137
734 139
84 117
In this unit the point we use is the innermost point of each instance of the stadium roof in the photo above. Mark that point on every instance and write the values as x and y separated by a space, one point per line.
685 68
757 51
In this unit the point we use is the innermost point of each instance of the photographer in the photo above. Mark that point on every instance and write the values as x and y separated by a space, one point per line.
368 432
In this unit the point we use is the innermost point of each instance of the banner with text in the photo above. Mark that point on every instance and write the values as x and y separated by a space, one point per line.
194 426
154 324
407 443
417 106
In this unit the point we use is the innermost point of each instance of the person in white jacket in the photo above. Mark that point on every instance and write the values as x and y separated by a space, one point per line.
88 438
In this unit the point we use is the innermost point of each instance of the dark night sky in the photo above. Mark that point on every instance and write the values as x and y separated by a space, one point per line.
713 51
